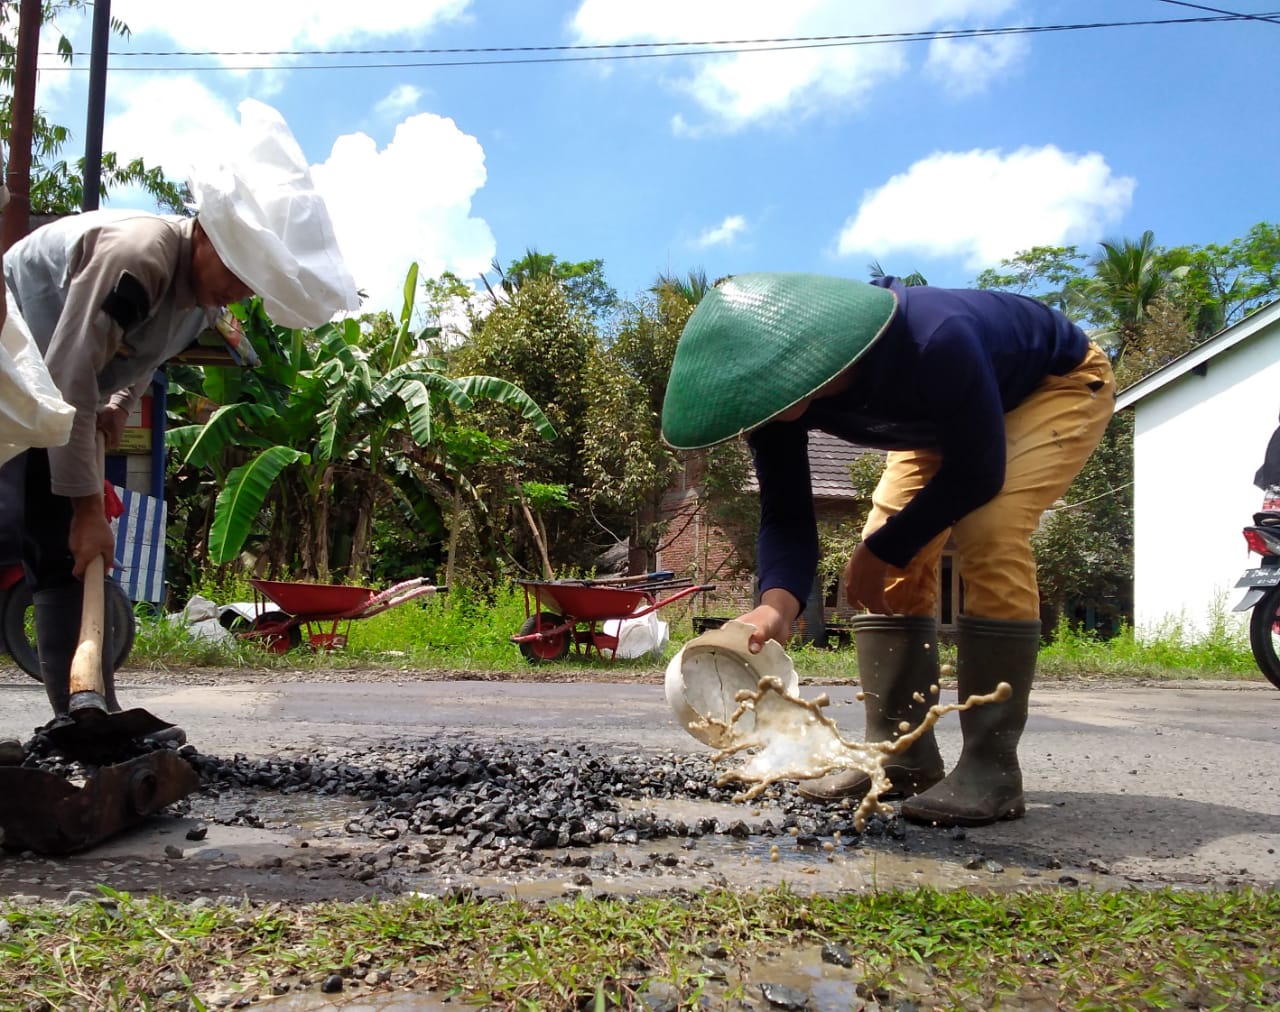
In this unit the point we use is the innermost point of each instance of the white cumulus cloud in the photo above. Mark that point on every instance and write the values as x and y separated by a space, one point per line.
407 202
722 234
985 205
968 66
173 121
737 89
258 25
400 100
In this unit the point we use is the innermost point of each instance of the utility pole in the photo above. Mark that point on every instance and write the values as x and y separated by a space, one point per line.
17 216
97 104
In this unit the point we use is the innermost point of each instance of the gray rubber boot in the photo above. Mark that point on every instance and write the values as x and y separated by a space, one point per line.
57 614
898 669
986 784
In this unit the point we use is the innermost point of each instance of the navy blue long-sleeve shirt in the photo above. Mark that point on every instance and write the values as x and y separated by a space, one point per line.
948 366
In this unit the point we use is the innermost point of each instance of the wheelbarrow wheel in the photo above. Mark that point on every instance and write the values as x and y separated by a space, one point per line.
546 648
275 632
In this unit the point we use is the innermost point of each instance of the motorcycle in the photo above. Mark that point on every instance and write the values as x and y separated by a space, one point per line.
1263 594
17 620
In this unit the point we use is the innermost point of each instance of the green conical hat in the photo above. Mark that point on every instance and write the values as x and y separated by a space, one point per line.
758 343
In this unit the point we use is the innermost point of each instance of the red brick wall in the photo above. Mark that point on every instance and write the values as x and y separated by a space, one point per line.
695 547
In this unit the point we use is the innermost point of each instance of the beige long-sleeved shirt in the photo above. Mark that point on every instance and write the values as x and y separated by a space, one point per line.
108 296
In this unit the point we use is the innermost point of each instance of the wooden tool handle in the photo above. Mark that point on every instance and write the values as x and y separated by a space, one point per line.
86 665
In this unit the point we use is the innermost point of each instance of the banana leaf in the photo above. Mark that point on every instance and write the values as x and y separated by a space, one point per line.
242 497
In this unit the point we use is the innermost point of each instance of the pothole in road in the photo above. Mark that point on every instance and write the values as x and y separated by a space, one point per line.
540 821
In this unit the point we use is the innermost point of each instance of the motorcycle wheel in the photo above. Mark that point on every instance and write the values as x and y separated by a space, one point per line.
1264 635
18 618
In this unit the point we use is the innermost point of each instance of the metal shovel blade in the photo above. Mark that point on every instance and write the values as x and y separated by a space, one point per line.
42 812
93 735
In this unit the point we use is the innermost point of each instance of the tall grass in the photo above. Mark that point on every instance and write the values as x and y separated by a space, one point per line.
1174 649
459 629
464 630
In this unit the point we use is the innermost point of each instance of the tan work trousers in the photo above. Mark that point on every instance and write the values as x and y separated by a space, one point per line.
1049 436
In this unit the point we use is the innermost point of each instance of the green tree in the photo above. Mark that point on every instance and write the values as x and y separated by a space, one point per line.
1166 334
583 282
546 342
722 475
1050 274
689 289
624 458
1224 283
56 185
913 280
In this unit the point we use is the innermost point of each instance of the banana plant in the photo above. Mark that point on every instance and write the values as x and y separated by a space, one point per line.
324 407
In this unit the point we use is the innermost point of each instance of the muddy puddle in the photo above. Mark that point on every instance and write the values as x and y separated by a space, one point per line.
750 849
308 814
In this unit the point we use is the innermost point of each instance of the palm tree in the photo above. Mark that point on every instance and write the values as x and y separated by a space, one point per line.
689 289
1126 281
913 280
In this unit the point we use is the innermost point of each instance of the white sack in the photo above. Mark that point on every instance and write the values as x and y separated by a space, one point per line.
638 636
32 411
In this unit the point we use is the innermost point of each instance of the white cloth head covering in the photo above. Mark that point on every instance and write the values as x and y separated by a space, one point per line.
269 224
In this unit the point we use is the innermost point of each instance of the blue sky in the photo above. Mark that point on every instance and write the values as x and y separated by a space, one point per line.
939 156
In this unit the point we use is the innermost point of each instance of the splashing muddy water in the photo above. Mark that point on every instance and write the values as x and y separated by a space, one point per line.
709 686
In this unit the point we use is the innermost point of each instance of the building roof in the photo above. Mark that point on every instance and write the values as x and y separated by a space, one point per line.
829 460
1199 357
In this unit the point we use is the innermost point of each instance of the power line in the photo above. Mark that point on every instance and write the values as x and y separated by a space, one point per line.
1217 10
624 50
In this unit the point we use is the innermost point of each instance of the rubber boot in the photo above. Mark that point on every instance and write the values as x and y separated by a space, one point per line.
57 613
898 669
986 784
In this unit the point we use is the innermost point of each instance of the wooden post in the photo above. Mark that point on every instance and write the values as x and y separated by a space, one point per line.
17 216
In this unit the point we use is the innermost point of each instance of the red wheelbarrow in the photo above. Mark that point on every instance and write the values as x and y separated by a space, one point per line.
321 608
564 613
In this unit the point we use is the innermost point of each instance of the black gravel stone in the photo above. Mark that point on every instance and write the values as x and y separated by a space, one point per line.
508 800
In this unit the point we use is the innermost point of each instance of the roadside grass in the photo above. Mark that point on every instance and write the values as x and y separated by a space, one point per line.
1060 948
462 631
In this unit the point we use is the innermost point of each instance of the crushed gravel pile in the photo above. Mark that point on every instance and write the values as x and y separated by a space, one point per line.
502 803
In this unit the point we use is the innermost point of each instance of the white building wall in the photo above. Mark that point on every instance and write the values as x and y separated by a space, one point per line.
1197 443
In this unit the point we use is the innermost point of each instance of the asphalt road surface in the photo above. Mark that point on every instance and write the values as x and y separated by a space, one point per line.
1178 782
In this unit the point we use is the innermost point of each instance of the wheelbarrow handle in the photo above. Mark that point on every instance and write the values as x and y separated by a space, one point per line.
395 596
663 602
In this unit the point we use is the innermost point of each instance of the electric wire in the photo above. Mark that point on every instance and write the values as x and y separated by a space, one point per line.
1218 10
630 50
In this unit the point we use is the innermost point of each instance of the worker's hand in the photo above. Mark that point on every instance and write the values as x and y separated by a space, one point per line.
865 575
91 535
111 421
773 618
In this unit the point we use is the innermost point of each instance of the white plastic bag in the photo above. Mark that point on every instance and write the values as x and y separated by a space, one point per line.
200 619
32 411
638 636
